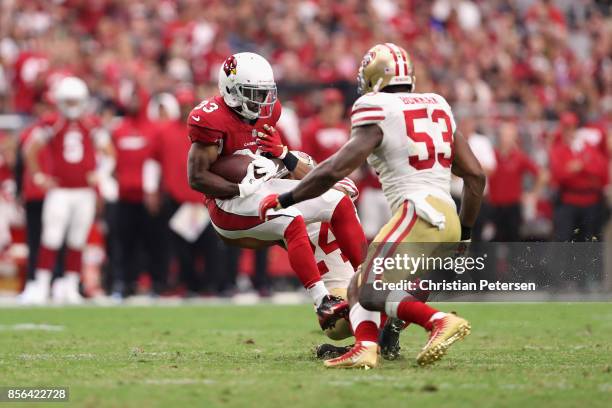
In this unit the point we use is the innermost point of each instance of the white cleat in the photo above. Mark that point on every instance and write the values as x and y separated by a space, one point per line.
34 294
58 291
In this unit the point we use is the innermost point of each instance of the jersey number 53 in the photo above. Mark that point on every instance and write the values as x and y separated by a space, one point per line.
444 158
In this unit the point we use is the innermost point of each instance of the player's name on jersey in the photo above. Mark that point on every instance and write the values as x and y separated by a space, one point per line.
439 286
411 100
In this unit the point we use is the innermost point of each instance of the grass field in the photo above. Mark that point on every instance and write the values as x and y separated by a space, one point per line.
257 356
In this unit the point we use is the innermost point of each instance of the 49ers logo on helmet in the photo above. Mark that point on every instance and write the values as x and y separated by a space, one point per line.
369 57
229 67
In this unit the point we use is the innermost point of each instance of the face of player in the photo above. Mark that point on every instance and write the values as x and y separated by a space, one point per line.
259 100
72 108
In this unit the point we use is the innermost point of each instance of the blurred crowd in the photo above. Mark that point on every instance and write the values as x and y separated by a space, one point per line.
530 83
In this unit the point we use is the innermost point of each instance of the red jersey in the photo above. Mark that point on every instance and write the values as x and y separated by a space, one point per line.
212 122
584 187
30 69
506 182
322 141
30 190
171 151
71 147
133 140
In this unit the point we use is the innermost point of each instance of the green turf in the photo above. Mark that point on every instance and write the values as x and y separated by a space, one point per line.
256 356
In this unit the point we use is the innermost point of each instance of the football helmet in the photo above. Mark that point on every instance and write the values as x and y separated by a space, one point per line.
383 65
247 85
71 96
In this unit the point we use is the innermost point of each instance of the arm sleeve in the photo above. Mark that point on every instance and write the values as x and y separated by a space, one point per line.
366 112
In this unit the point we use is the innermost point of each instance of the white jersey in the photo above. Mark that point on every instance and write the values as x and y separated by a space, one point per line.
415 156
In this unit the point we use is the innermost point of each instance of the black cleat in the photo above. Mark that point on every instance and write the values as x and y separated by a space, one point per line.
388 339
332 309
327 351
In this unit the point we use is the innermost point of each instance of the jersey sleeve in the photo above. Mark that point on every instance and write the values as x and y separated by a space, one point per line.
204 135
203 127
366 111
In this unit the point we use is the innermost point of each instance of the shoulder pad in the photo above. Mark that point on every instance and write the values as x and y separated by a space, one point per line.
210 114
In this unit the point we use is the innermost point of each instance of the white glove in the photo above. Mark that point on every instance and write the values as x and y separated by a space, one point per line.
263 166
249 183
346 185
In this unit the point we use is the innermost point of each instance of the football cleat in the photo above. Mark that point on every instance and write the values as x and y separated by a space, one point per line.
446 331
360 356
331 309
328 351
389 338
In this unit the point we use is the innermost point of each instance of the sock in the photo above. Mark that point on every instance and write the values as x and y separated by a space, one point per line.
71 280
43 276
317 292
365 324
383 320
301 256
348 232
412 311
46 258
74 260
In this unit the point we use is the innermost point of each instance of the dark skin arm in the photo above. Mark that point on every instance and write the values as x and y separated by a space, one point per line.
201 157
466 166
364 140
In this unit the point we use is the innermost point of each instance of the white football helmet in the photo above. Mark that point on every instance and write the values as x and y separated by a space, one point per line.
247 85
71 96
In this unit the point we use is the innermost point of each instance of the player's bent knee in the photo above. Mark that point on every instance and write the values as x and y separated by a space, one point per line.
370 299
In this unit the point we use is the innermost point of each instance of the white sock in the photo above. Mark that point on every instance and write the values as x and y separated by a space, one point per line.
317 292
436 316
43 276
71 280
358 314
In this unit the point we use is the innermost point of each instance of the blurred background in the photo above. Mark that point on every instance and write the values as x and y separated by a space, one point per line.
529 81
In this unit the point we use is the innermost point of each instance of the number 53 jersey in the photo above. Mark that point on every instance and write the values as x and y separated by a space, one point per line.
414 159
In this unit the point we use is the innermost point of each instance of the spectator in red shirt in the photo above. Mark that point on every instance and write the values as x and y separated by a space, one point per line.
506 184
580 172
327 131
135 225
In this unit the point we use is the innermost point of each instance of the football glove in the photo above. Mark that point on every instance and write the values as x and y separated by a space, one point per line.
250 183
270 142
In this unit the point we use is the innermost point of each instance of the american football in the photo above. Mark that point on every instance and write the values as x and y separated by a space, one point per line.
306 203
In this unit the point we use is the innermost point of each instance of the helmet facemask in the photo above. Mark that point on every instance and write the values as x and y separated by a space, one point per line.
72 108
257 101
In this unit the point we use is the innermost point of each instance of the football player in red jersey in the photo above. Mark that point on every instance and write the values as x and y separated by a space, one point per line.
241 120
72 138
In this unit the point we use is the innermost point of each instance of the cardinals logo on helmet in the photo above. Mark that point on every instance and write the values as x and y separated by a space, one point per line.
229 67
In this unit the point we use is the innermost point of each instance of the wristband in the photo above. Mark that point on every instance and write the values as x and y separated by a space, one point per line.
286 200
466 233
290 161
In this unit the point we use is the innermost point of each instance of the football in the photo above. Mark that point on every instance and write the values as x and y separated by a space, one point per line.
234 167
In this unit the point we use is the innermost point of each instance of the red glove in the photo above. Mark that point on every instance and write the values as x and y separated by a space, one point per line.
271 143
268 203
